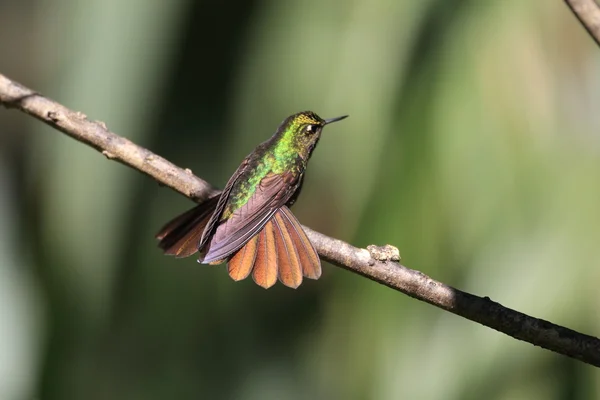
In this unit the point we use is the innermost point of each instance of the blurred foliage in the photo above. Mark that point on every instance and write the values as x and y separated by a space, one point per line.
472 145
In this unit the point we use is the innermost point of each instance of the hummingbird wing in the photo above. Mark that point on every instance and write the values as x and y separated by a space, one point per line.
216 216
179 237
271 194
184 234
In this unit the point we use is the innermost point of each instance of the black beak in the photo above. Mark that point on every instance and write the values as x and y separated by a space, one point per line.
330 120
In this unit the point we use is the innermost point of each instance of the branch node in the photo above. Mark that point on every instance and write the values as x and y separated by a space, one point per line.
384 253
102 124
108 155
54 116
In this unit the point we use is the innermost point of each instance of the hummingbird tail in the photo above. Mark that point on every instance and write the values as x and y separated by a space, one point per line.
180 236
280 250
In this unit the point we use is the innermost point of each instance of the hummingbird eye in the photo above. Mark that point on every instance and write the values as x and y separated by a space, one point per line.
311 129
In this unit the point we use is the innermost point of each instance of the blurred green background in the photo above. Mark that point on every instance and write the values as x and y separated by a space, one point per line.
472 145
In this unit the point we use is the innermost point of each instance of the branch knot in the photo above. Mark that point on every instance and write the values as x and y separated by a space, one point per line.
384 253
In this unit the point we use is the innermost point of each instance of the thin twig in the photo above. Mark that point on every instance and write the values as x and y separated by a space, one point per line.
379 264
588 13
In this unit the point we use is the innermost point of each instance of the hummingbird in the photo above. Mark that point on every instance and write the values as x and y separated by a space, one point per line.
249 224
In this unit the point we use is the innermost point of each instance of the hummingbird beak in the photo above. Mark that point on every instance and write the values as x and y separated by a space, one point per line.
330 120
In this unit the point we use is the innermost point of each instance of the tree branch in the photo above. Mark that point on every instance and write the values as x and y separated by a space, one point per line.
588 13
379 264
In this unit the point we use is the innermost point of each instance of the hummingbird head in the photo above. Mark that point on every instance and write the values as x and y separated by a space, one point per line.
301 132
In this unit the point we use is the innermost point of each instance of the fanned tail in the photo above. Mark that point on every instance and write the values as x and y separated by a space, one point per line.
280 250
309 259
180 236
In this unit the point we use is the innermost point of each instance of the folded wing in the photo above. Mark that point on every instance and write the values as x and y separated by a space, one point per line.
229 236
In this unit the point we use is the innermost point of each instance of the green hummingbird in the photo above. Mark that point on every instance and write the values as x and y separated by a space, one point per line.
249 224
